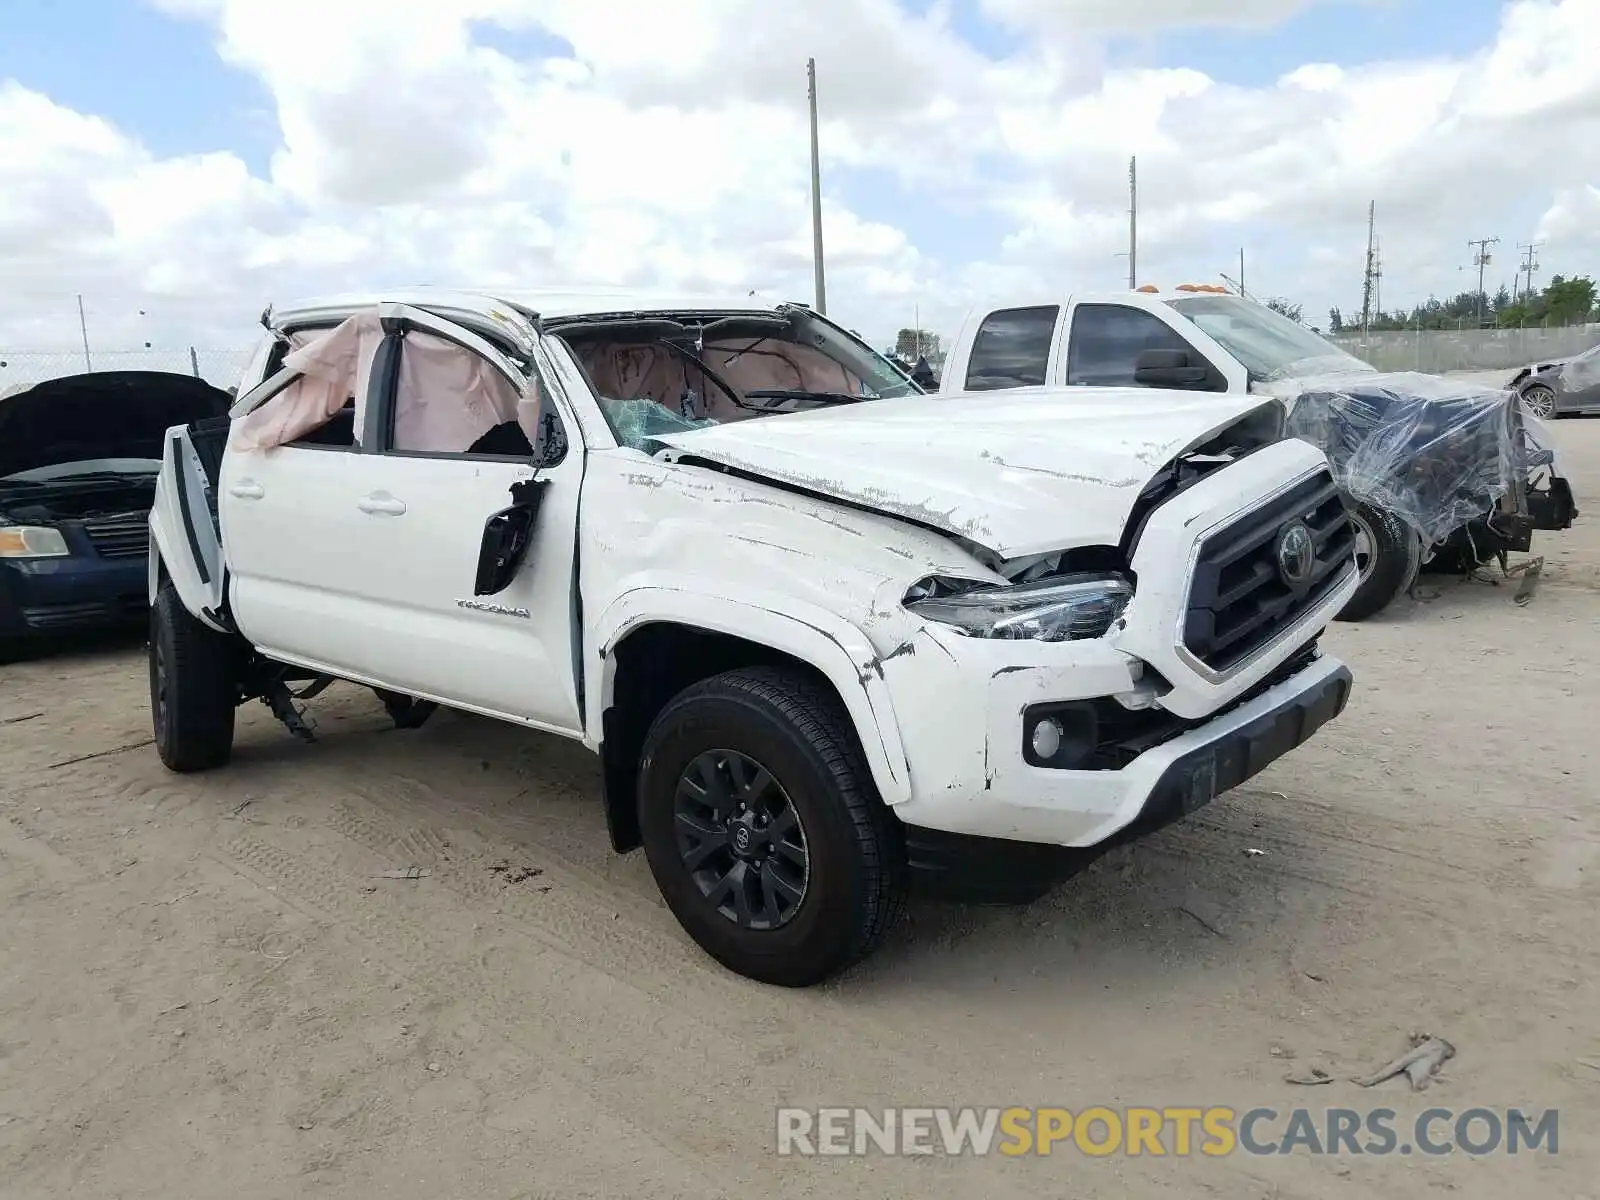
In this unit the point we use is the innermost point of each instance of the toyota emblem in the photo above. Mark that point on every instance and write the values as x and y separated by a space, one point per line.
1297 556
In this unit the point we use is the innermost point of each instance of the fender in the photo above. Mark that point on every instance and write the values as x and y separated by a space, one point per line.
190 590
824 640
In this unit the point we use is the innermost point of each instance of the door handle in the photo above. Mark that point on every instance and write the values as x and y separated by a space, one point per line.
381 503
247 490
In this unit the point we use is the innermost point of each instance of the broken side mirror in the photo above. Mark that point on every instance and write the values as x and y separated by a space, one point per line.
1168 369
506 537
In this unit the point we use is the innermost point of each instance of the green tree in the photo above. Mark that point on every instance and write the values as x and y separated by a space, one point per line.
1279 305
1335 321
1568 301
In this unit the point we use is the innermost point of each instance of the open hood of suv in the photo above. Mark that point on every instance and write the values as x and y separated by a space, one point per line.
109 414
1017 472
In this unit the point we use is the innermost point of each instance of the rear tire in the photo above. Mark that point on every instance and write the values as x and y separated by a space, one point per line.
1388 554
803 881
193 686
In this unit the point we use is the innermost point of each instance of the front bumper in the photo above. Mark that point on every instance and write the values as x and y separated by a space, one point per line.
1083 810
41 596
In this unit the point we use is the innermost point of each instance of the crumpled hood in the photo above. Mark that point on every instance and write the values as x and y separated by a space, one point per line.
1018 472
106 414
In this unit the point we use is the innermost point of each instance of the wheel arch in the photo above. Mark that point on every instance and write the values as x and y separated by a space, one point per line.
657 641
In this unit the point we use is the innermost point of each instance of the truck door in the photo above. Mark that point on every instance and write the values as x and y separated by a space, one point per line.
453 433
1106 341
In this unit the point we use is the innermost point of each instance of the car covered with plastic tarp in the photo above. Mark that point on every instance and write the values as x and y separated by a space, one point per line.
1457 472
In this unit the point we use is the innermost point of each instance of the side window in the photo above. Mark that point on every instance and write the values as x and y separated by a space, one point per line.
308 396
1012 348
446 399
1107 339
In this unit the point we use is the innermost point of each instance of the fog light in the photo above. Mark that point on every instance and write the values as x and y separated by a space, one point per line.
1061 736
1047 738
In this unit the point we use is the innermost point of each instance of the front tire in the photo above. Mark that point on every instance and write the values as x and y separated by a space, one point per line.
763 828
1388 557
193 684
1540 401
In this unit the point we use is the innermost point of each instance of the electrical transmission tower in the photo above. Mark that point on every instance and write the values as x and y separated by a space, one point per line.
1369 279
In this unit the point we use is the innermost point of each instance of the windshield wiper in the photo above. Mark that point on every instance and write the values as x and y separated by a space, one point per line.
802 394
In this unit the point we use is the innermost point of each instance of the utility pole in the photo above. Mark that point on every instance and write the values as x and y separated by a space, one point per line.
1482 261
1529 266
1241 270
83 328
1367 277
1377 275
1133 224
816 192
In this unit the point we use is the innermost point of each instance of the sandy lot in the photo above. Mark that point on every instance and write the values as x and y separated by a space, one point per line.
209 988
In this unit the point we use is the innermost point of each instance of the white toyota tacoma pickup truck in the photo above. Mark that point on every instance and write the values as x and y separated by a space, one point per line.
829 636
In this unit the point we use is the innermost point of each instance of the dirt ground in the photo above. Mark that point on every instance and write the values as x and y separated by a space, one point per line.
208 987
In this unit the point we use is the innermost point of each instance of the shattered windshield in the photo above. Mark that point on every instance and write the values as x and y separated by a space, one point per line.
665 373
1268 344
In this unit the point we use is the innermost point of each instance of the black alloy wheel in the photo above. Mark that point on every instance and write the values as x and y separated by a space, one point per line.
741 839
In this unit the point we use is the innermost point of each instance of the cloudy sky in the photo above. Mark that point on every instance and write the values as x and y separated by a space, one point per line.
182 162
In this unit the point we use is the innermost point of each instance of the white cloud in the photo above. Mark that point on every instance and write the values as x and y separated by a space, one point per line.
1141 16
671 150
1569 231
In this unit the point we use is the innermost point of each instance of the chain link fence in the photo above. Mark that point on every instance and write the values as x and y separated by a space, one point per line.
219 366
1437 350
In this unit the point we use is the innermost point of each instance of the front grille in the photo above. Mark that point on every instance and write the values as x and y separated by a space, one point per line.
1239 599
126 535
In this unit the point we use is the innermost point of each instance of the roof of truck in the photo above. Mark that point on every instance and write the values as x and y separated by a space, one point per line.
1107 295
547 303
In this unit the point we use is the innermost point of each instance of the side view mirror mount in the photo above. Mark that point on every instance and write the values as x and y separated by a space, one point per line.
1168 369
506 537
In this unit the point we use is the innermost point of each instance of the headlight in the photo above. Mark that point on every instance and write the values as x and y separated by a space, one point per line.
1066 608
32 541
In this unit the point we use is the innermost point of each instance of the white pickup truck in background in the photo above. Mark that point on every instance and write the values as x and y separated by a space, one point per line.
1434 468
829 636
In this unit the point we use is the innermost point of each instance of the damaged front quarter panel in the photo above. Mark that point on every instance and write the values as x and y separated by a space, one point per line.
809 579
